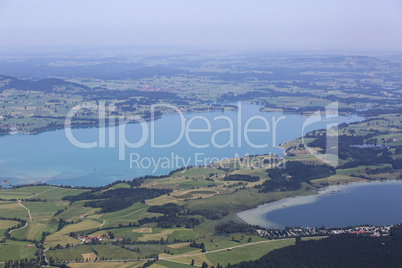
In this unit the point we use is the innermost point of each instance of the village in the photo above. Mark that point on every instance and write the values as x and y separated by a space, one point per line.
314 231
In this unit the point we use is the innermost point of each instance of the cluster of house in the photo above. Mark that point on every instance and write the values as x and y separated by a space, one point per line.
15 128
391 140
12 127
89 239
149 88
295 232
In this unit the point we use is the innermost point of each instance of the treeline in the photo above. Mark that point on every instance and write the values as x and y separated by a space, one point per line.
63 223
212 213
174 217
259 93
310 109
232 227
344 141
291 177
169 209
299 171
379 170
356 156
34 200
117 199
343 250
58 212
397 164
279 185
241 177
172 209
170 221
152 96
45 85
25 263
198 245
19 225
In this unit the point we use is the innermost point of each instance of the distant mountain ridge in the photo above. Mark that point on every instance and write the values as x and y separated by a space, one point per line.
44 85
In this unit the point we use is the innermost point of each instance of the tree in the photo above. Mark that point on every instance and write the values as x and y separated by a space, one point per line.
204 265
192 262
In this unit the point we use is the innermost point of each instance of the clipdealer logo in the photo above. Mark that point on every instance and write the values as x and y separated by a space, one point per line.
113 133
331 153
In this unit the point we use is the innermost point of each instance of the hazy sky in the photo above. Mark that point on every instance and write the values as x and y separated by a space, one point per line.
283 24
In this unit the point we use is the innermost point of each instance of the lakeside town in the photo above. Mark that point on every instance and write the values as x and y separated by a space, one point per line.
322 231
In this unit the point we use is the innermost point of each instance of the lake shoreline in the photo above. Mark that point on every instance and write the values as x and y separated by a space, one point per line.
56 127
257 216
61 174
49 128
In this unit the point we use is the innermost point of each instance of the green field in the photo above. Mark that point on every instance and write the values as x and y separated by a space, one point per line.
238 253
44 212
107 264
125 216
15 250
104 251
154 234
243 199
62 237
170 264
247 253
13 209
5 224
42 192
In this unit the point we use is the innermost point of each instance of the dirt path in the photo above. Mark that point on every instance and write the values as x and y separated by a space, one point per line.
26 224
29 212
104 221
35 195
181 262
100 227
223 249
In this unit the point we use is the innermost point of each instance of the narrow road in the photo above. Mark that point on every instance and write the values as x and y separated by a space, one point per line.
194 254
223 249
44 255
26 224
181 262
104 221
29 212
131 213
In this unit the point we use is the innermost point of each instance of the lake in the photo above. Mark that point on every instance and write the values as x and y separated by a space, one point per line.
374 203
51 157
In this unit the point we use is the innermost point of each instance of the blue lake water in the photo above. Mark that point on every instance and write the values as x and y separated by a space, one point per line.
374 203
51 157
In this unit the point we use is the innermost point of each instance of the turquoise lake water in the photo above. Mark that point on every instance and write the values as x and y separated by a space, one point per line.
50 157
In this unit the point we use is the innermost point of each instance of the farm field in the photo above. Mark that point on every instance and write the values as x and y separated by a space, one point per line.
16 250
